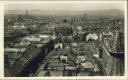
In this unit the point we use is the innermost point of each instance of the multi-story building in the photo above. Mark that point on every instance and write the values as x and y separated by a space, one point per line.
24 60
113 54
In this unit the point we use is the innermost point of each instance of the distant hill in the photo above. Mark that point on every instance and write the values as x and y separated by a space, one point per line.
112 12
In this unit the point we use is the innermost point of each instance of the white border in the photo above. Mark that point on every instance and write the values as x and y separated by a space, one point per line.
1 39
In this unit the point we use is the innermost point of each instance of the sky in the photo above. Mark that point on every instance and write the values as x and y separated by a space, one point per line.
65 5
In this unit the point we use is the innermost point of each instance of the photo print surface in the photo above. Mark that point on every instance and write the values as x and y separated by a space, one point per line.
63 39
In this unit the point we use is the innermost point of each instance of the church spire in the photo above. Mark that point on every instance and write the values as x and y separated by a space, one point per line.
26 13
85 16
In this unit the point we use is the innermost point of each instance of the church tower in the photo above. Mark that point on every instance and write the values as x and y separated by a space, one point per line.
26 13
84 18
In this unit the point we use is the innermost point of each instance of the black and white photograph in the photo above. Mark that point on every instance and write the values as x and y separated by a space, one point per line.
64 39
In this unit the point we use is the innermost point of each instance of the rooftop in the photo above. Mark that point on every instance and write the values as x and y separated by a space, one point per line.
21 63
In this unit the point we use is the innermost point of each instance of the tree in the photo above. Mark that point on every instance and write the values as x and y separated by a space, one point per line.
6 62
46 66
47 73
65 21
69 73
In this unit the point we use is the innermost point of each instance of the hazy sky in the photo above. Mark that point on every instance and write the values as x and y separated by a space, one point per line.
65 6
